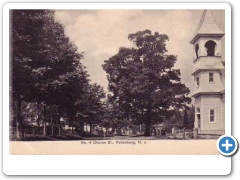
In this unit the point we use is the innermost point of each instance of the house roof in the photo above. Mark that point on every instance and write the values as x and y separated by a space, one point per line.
207 26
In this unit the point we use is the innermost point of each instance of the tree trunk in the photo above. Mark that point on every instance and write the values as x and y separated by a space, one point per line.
33 130
19 102
60 130
113 130
91 128
38 125
148 117
148 123
59 127
82 127
52 124
73 120
38 120
148 129
22 127
56 124
44 121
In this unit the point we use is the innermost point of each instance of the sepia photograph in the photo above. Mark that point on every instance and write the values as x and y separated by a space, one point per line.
116 77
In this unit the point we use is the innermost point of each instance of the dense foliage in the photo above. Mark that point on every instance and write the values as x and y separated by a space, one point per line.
144 84
47 72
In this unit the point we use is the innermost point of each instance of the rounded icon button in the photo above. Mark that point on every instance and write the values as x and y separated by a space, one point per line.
227 145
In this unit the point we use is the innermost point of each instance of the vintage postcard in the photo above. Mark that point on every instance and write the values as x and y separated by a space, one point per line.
143 80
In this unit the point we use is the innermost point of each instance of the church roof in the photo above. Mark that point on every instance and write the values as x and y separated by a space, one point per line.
207 26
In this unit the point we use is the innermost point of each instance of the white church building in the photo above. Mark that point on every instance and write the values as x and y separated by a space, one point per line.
209 76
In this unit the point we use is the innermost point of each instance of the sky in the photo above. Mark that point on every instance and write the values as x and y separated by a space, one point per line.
100 34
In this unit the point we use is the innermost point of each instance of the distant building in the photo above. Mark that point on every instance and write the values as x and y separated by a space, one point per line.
209 77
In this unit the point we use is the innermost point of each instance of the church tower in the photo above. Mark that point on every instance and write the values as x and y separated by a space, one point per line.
209 76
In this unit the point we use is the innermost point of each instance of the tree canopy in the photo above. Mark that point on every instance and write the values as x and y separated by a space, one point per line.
50 83
46 68
143 80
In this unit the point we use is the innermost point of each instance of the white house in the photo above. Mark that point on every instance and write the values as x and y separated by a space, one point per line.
209 76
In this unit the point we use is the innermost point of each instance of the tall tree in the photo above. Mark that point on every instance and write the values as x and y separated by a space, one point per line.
73 94
45 63
26 32
114 115
94 105
143 80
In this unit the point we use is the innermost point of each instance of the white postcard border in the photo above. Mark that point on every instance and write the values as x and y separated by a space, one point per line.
114 164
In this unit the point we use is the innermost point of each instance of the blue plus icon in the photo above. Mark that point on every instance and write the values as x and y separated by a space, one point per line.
227 145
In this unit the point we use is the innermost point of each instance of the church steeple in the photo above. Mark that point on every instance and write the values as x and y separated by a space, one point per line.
207 26
209 76
207 55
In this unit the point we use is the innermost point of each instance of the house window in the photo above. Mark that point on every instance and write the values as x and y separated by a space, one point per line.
211 79
197 81
212 115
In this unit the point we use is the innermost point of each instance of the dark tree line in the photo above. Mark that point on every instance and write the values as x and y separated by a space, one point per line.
48 80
